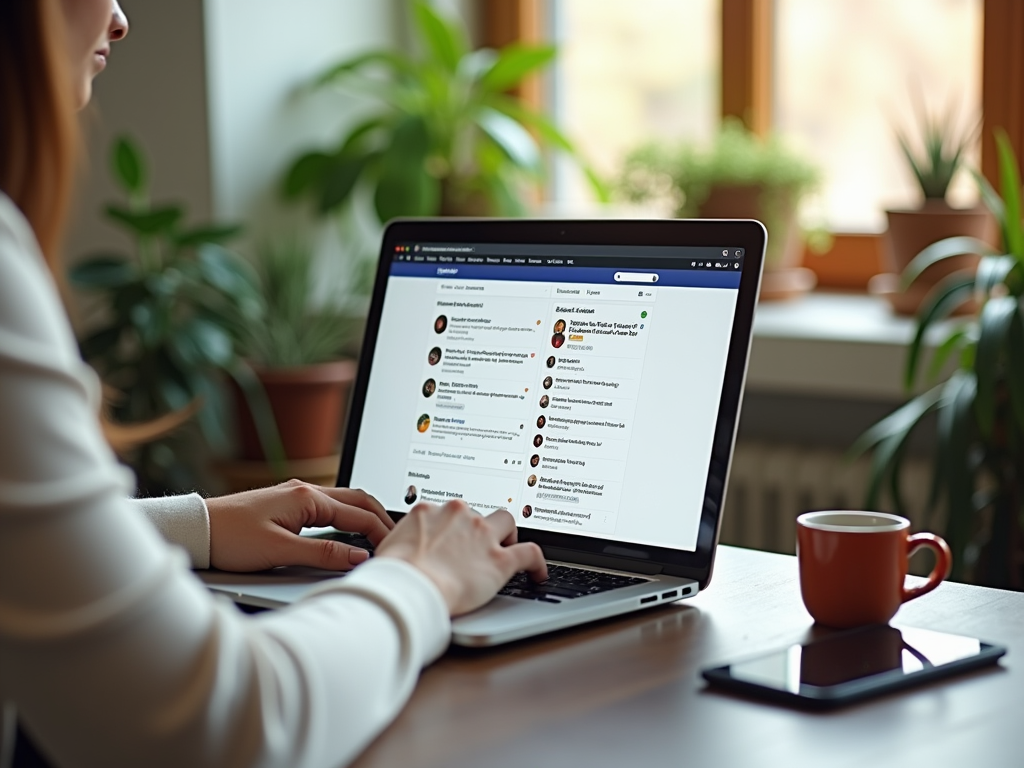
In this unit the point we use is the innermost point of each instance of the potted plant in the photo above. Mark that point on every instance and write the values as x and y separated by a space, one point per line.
447 139
296 373
739 175
934 160
163 343
979 453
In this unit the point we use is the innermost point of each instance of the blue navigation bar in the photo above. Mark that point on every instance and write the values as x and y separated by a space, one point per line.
726 277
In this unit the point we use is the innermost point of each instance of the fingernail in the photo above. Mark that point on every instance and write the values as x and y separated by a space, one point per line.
357 556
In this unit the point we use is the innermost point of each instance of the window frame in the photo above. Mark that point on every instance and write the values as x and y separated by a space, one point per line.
746 93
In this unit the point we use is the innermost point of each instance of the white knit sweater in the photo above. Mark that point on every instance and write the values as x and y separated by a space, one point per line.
112 651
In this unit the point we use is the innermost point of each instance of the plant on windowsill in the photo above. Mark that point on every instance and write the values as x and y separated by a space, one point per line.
740 175
979 458
295 352
162 346
447 138
934 159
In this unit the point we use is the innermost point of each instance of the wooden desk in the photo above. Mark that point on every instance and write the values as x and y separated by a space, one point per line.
626 692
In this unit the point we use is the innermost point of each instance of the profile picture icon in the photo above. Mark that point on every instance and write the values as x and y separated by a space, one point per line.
538 441
434 356
558 340
559 326
551 362
429 387
541 421
531 480
423 423
440 324
544 401
535 460
411 494
527 510
548 381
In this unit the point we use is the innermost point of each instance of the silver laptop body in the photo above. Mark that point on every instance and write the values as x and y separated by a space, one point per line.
585 375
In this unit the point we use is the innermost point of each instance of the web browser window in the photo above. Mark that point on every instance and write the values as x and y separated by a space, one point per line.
576 386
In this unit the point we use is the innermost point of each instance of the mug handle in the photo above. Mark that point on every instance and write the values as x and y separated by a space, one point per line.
943 562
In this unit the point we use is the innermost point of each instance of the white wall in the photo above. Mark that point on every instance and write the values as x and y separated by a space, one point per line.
155 90
212 89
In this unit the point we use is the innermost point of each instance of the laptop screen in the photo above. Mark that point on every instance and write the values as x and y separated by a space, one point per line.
577 386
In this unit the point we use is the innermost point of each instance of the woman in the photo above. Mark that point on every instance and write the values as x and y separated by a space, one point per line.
110 649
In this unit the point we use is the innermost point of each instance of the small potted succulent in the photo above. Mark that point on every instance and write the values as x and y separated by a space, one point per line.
934 159
740 175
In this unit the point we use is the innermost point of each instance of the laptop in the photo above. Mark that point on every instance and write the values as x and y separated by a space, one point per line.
585 375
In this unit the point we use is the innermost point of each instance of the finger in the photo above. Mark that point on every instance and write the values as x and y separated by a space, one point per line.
318 553
503 524
527 557
348 518
355 497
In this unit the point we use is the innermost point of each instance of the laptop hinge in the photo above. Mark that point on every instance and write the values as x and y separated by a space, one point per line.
602 561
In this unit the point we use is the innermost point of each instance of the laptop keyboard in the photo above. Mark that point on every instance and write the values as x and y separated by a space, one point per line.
564 582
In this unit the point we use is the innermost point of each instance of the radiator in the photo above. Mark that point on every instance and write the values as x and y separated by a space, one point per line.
771 483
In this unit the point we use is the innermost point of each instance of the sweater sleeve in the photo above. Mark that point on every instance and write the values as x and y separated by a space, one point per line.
111 650
183 521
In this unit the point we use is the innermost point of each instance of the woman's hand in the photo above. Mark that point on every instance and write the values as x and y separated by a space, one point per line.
469 557
255 530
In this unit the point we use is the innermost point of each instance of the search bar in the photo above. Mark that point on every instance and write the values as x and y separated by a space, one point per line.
636 277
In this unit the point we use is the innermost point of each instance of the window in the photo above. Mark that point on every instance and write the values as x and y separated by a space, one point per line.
628 73
846 74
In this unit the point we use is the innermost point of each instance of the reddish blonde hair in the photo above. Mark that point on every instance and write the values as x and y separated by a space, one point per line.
39 136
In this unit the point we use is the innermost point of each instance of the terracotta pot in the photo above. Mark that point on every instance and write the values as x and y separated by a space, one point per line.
308 404
783 277
785 247
910 232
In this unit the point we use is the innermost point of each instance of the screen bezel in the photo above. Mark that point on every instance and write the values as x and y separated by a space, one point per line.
747 234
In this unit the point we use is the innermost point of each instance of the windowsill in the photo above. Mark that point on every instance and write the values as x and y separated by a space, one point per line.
831 344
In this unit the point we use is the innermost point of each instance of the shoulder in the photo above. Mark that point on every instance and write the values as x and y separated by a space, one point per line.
30 305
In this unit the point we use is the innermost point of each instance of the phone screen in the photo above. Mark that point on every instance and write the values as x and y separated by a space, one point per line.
855 656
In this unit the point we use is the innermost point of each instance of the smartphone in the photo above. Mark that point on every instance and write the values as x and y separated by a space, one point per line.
853 665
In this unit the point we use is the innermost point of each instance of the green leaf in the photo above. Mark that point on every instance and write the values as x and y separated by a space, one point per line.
226 272
1015 370
211 233
103 272
994 324
943 249
305 175
1009 181
148 222
101 342
942 353
514 63
992 270
445 41
212 342
514 140
404 187
991 199
943 299
262 415
128 166
899 422
398 64
339 179
412 193
955 422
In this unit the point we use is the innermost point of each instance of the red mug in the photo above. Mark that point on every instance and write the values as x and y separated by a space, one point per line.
853 565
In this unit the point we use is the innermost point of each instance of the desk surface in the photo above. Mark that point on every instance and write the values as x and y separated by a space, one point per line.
627 691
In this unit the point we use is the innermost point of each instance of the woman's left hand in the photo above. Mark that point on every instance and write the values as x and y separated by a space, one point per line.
256 530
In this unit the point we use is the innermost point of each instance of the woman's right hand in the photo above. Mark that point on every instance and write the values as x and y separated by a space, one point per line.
469 557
